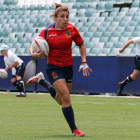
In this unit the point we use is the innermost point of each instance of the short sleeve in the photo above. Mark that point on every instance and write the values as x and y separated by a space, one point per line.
77 37
136 40
14 58
42 33
6 65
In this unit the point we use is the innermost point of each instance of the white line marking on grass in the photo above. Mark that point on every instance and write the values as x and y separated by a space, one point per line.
106 96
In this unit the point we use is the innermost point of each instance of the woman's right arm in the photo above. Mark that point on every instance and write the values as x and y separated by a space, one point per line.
7 68
36 55
126 45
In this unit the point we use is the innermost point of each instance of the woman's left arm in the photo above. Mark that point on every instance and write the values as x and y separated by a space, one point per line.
84 65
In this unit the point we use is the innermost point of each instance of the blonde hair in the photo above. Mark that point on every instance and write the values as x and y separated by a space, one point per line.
58 9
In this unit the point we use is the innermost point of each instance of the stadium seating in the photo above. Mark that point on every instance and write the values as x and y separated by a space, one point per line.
98 21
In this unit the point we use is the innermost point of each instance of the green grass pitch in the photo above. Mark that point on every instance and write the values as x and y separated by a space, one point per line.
39 117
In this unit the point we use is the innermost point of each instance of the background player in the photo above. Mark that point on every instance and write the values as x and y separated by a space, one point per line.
136 71
12 61
59 36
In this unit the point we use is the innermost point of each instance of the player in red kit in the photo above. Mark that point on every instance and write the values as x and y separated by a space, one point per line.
59 36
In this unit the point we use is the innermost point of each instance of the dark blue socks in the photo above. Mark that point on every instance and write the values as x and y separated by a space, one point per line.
48 86
69 116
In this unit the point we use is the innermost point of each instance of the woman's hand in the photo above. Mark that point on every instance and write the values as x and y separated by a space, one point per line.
11 67
38 55
121 50
85 69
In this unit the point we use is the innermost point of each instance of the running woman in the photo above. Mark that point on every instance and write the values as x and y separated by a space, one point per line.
136 71
59 36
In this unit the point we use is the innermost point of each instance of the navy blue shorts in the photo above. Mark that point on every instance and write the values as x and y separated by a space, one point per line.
54 73
19 71
137 62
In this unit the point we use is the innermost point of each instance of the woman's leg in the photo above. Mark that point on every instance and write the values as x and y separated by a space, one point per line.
63 89
135 74
20 83
128 79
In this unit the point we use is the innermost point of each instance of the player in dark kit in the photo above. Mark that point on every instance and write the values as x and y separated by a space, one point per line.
59 36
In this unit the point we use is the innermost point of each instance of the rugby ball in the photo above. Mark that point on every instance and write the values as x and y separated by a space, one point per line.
30 71
3 73
39 43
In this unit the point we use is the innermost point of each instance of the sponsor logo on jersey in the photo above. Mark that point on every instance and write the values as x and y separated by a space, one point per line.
52 35
68 35
54 75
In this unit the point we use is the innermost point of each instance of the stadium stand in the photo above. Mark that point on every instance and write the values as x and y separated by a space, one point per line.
106 22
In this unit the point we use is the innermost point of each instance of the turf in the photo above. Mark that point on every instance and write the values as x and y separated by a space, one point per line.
39 117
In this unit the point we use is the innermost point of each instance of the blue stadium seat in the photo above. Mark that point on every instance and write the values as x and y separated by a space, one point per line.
10 45
17 45
17 8
109 6
89 12
104 39
89 44
13 40
11 21
101 6
114 52
124 39
104 14
95 40
85 5
107 34
28 35
46 7
94 51
81 13
22 40
3 8
39 7
10 7
118 44
114 39
24 7
7 2
12 35
101 29
14 2
26 45
5 40
117 34
7 31
20 51
109 45
84 29
105 51
13 50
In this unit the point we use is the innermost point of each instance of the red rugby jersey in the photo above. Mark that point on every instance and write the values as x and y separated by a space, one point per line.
60 42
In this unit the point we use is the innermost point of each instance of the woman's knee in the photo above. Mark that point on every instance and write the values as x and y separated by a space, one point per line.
134 76
66 99
58 99
18 78
13 80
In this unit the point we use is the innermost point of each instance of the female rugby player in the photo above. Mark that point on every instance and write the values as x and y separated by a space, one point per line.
59 36
136 71
13 62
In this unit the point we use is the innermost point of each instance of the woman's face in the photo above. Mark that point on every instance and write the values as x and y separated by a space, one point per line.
62 20
4 52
